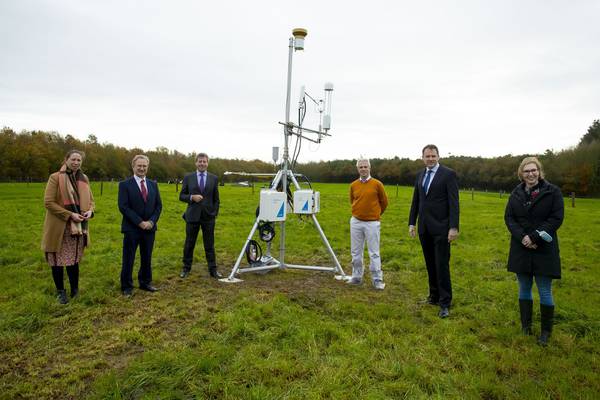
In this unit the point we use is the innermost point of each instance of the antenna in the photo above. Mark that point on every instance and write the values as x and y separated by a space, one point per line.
302 99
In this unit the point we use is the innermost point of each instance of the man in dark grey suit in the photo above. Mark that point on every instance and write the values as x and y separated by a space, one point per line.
435 203
200 190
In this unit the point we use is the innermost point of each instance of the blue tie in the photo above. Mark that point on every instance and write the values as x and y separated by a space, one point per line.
427 179
201 183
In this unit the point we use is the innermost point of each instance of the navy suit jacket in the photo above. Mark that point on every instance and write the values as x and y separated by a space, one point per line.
438 210
133 207
208 208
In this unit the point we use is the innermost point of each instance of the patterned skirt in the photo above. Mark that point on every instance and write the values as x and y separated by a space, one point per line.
71 250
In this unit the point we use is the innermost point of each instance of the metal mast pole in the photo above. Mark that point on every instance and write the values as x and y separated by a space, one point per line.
285 149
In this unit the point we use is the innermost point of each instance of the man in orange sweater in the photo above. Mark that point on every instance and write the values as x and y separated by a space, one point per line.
369 201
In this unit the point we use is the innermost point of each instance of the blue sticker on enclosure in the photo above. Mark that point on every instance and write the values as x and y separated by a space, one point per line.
280 213
305 208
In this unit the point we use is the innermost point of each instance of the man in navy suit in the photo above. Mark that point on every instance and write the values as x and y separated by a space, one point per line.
140 204
200 190
435 203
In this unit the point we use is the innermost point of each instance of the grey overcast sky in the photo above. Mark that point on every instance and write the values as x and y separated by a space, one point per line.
476 78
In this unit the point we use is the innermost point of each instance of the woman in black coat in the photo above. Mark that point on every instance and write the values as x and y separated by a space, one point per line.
534 212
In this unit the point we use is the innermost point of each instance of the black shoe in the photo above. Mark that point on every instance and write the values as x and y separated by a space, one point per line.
127 292
444 312
61 296
74 292
184 273
148 288
215 274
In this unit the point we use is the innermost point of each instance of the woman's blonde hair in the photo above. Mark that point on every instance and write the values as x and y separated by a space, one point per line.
530 160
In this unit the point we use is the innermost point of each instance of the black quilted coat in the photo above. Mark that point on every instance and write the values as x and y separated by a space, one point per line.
544 213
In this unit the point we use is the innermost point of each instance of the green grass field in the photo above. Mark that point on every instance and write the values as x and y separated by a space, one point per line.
292 334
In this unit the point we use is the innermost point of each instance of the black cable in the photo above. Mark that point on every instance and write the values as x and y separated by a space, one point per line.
294 156
253 252
266 231
307 180
298 153
298 145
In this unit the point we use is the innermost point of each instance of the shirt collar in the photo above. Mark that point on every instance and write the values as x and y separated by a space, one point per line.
138 179
367 179
198 173
435 168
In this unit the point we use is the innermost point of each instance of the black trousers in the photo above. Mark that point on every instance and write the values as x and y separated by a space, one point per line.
436 251
208 239
131 241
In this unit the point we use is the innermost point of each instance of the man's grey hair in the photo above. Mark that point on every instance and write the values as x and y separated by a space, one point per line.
140 156
362 159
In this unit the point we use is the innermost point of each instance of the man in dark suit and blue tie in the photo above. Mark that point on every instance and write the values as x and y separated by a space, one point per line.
200 190
140 204
435 203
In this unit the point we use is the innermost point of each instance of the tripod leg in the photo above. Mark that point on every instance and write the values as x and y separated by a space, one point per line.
338 267
239 259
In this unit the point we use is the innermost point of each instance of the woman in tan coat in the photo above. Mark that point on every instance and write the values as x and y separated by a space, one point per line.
69 205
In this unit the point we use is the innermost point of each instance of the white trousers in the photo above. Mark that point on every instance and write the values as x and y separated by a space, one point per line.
361 231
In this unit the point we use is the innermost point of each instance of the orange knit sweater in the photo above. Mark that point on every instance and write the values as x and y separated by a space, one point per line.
368 199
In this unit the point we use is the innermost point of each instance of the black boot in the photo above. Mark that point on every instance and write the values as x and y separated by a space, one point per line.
547 317
526 309
73 273
62 296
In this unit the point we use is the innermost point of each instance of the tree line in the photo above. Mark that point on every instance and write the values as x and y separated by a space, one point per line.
33 155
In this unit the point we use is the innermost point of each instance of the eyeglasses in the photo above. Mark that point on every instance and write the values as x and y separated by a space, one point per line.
529 171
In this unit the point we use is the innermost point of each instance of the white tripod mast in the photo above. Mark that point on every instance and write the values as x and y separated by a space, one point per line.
267 262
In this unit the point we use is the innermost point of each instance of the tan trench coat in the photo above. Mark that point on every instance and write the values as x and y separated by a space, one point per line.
56 216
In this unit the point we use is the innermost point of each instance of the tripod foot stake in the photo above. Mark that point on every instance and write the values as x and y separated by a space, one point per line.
230 280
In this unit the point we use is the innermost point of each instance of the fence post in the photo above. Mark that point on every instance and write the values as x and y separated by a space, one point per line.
396 190
177 185
472 193
101 187
573 199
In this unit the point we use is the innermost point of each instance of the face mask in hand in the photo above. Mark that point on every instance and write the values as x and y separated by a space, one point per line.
545 236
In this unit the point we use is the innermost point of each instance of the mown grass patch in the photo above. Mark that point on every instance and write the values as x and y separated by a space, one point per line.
292 334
